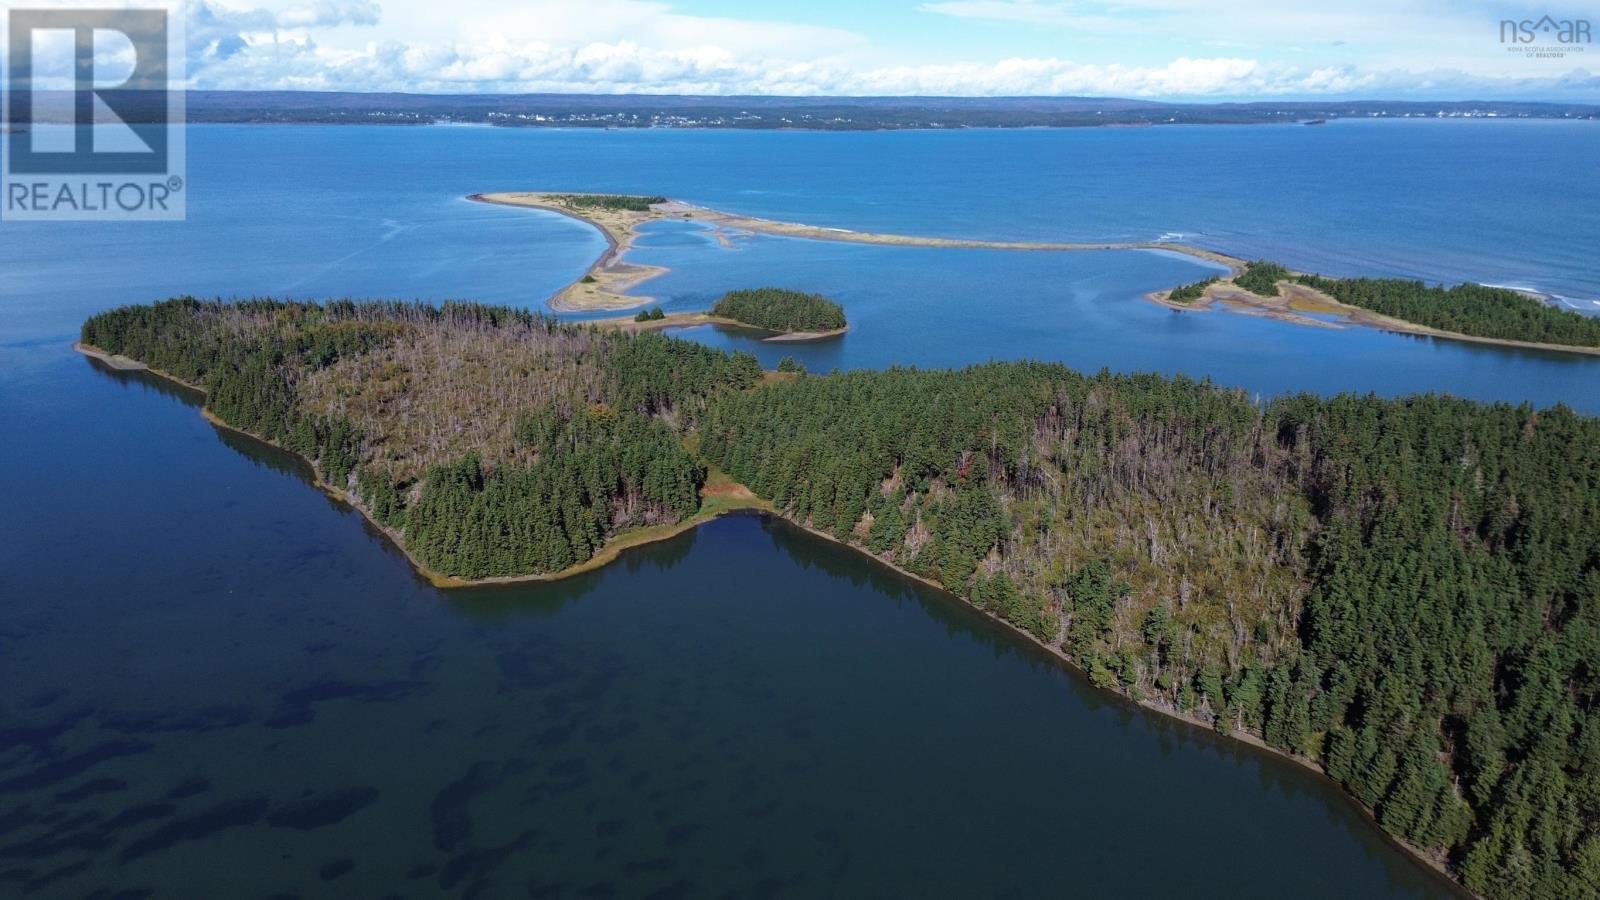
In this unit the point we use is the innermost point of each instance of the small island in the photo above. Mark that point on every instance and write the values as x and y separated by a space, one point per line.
788 315
794 315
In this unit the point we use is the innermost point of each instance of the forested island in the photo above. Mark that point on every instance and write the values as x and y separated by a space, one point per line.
1404 592
1471 309
781 310
788 315
1463 311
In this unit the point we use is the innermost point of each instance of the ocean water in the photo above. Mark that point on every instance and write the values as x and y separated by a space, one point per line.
953 307
214 681
379 212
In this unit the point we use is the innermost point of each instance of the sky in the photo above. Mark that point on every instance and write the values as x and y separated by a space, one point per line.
1154 49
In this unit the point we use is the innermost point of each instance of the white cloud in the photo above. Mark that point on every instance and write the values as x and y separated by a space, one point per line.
1178 49
501 65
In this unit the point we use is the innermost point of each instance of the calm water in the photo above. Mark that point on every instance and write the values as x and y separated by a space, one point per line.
218 683
952 307
329 211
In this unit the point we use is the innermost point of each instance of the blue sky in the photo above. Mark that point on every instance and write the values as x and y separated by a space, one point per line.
1158 49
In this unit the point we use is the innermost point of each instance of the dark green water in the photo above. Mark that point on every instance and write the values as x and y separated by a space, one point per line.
219 683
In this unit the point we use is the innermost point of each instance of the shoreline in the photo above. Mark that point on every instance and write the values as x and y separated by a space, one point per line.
736 498
1295 300
619 229
1059 656
603 285
729 501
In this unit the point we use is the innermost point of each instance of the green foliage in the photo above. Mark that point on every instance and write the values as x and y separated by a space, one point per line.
1188 293
791 365
250 376
1093 594
653 314
1465 309
571 475
1430 611
593 474
651 373
1261 277
1407 589
613 202
778 309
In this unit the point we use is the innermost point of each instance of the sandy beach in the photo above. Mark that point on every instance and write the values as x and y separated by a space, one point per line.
120 363
1299 303
605 284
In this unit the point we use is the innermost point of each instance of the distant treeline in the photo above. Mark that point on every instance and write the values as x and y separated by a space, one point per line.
615 202
817 113
1473 309
779 309
1406 591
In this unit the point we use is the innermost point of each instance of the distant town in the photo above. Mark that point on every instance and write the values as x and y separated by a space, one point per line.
814 113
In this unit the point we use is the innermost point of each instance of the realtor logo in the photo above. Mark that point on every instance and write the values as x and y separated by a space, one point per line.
94 115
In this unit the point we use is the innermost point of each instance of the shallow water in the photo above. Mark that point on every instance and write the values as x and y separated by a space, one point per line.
938 307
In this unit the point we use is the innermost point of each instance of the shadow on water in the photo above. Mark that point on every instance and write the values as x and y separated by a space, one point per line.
256 451
1276 773
519 599
166 387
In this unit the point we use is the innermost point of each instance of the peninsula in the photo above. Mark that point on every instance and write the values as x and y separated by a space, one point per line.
1498 316
603 285
1247 566
1466 312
